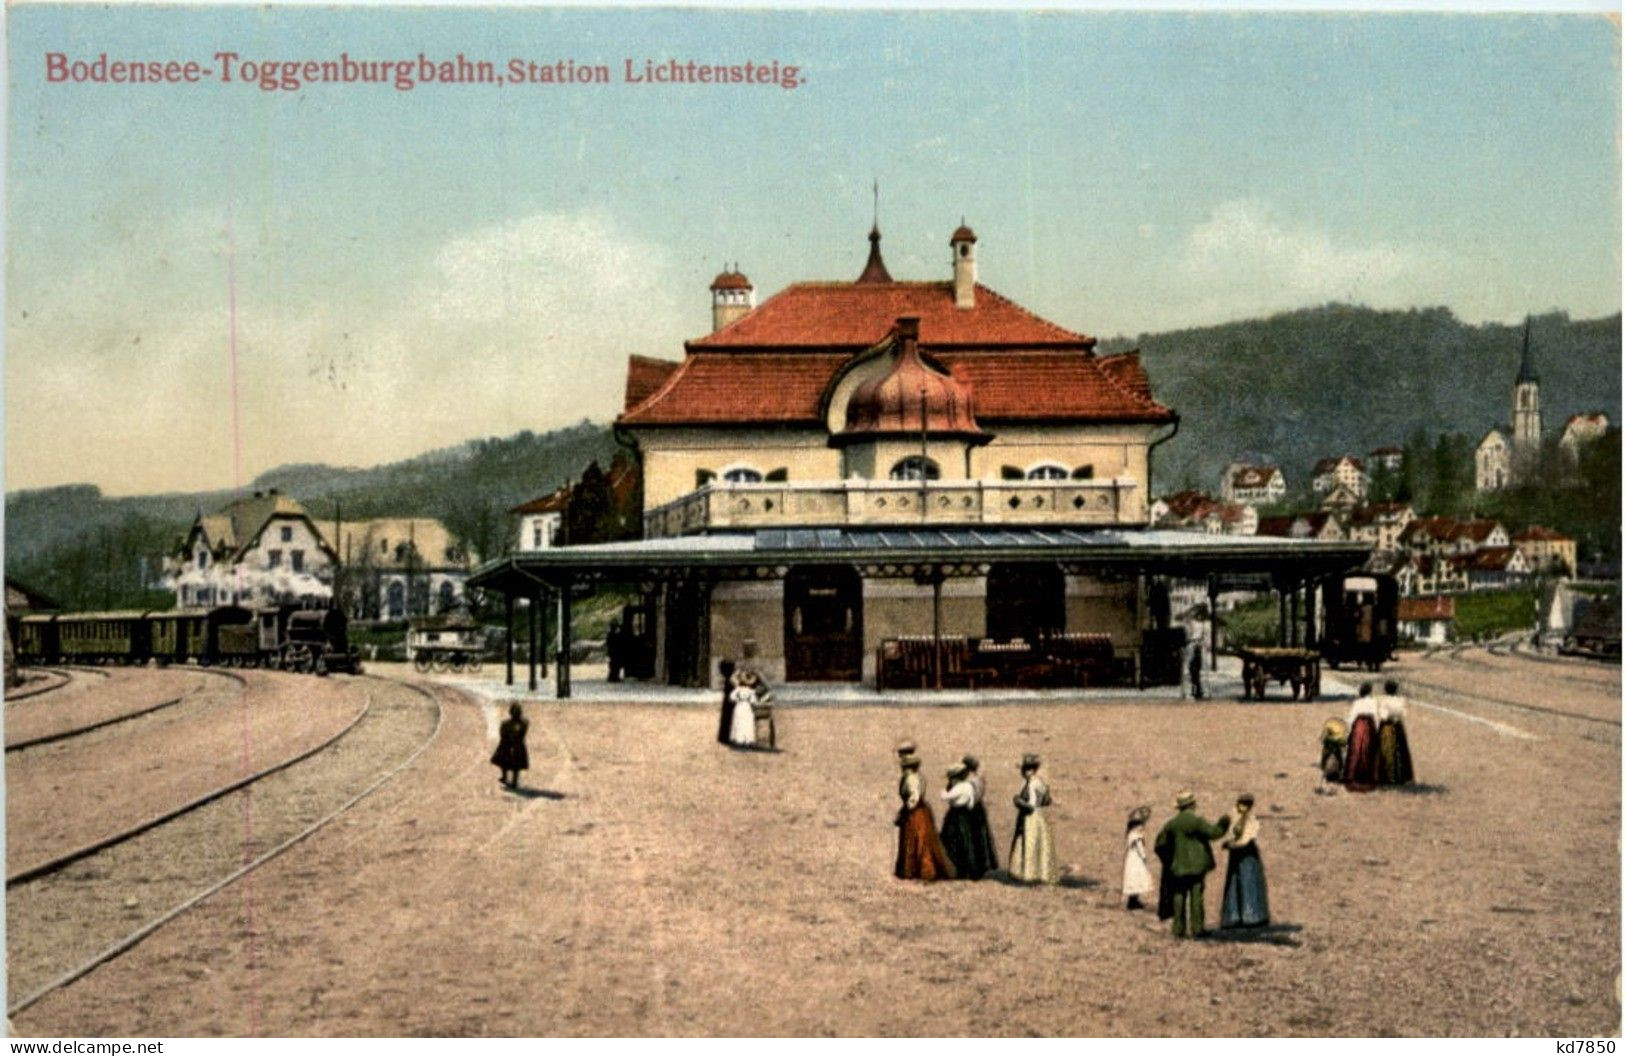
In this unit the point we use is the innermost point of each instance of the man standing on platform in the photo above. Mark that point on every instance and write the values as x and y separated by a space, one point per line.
1186 853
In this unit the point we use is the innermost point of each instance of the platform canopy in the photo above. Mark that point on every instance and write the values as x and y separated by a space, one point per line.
769 553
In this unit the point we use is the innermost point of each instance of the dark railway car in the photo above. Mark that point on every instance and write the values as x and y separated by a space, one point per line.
36 640
1596 631
318 641
179 636
229 636
1360 621
103 638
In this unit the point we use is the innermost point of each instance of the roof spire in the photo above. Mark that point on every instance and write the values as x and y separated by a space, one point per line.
1526 368
875 269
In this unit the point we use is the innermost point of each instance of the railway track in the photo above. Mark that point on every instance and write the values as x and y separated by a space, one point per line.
200 848
1463 655
1533 709
114 720
58 680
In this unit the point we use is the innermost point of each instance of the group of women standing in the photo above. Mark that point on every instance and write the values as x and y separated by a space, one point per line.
1378 751
964 849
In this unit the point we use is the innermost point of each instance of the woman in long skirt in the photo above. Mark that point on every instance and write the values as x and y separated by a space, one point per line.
978 812
1362 767
919 852
1137 881
1393 747
1246 899
964 844
511 755
1032 852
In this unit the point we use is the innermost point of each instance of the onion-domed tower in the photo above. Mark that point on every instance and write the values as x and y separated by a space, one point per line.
732 296
910 422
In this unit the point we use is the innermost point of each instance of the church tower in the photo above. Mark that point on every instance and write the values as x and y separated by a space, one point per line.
1526 411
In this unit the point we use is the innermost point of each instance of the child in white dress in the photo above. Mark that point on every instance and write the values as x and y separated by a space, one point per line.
1137 881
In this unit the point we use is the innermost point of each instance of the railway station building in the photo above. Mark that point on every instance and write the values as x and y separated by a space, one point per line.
894 482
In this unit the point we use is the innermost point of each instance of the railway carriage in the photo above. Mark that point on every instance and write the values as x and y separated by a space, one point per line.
1361 620
36 639
103 638
179 635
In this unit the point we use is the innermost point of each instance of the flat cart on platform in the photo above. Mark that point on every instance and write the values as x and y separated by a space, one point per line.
1283 664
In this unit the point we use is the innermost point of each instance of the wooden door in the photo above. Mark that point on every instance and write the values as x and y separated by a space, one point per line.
823 625
1025 601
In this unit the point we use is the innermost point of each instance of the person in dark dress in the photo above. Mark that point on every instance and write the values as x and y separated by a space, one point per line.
1393 747
1246 899
511 755
978 812
726 667
965 846
615 647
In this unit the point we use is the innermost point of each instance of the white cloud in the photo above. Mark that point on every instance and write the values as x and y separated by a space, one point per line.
1245 260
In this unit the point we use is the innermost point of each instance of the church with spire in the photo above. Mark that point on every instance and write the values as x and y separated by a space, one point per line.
1510 455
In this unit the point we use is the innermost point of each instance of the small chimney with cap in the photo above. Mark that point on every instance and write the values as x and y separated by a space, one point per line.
963 242
732 297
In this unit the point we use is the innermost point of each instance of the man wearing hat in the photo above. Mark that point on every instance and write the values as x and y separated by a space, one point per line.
1184 847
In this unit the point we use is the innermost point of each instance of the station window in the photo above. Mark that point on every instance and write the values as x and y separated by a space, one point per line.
916 467
1047 471
742 475
287 533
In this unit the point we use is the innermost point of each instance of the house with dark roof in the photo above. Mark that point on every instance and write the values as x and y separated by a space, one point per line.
1253 485
849 467
1343 471
263 549
1427 620
1546 550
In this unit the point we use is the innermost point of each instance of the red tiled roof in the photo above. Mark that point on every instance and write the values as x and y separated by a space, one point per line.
1435 607
1487 559
731 280
643 376
962 234
1186 504
1125 369
728 388
850 315
553 503
1537 534
1326 465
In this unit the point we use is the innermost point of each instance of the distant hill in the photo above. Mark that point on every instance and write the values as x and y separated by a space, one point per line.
1341 379
89 550
1294 387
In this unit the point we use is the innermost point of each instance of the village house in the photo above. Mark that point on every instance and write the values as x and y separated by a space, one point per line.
1449 536
267 550
395 567
261 550
1492 567
1194 511
601 506
1344 472
1380 524
1318 524
1427 620
1546 551
1253 485
1388 459
540 520
1433 574
853 467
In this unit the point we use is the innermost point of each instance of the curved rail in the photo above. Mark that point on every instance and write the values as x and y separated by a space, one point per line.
1464 656
62 735
131 940
60 862
65 676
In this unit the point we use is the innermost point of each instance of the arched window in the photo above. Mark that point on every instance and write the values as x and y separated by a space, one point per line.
1047 471
1084 473
742 475
916 467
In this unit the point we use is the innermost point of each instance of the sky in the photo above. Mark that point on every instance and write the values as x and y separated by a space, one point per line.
205 281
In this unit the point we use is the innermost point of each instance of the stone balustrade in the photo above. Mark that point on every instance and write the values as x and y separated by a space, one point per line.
877 503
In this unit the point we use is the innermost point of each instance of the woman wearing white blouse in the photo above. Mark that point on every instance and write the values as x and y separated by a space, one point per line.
1032 852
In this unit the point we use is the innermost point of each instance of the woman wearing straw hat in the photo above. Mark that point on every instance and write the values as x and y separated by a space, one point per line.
919 852
1032 852
1246 899
1136 869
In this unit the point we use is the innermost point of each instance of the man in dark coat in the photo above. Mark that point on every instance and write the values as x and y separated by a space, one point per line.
725 722
1184 848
